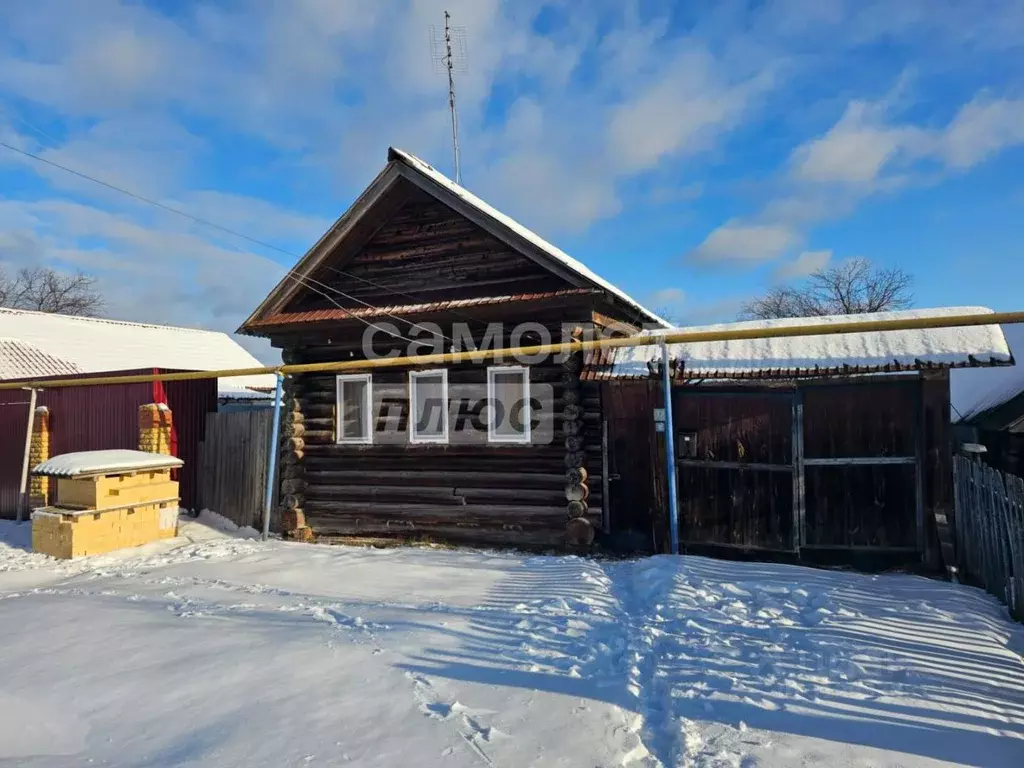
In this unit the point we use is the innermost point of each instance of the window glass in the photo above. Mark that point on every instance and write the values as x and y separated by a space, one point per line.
354 398
428 397
508 405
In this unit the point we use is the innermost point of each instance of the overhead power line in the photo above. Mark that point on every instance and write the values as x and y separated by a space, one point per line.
301 279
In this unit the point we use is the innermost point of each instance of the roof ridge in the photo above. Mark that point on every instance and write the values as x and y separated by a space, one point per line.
107 320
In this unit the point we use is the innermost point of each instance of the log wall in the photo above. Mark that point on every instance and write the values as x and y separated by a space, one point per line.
467 491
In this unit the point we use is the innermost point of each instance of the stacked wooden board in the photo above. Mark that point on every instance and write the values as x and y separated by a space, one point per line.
106 500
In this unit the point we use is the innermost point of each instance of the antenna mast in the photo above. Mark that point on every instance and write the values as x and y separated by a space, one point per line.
449 53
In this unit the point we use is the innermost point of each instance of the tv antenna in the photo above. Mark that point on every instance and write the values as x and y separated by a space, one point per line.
448 51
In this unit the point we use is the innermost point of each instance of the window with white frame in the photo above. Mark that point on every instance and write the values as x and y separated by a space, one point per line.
428 405
355 419
508 404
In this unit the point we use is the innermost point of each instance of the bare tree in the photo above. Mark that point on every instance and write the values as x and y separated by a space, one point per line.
47 290
852 288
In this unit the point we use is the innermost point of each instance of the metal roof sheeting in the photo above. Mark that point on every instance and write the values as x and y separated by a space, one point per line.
96 345
23 360
106 462
796 356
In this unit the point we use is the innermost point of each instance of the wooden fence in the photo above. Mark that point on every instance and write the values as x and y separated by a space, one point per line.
989 527
233 465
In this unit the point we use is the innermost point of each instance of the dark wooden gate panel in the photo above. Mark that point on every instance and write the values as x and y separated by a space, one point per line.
740 507
736 482
860 458
861 506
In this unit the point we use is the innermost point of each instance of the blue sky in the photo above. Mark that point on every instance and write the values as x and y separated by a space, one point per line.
694 153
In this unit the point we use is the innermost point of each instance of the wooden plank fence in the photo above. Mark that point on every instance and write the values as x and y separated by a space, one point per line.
233 465
989 529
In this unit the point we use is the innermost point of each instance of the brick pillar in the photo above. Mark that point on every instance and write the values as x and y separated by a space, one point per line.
39 451
155 427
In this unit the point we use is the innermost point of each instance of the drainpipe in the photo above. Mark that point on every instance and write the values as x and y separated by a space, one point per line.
272 458
670 449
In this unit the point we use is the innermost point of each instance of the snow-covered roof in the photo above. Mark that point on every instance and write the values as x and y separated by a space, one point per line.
533 238
23 360
870 351
107 462
98 345
227 391
973 392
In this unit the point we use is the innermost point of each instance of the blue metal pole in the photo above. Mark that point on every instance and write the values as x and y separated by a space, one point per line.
670 450
272 460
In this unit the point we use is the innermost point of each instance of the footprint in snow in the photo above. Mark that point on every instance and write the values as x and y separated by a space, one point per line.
484 732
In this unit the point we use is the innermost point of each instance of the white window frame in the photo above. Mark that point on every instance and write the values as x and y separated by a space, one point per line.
492 437
366 439
427 439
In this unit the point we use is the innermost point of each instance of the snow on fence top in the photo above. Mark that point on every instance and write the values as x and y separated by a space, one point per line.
107 462
867 352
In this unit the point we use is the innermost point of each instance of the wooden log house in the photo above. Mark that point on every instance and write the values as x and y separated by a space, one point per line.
785 447
418 257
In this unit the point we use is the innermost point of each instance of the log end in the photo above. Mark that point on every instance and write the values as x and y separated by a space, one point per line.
292 520
579 533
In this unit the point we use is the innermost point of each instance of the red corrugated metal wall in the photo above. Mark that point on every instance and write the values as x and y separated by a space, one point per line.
105 416
189 402
13 421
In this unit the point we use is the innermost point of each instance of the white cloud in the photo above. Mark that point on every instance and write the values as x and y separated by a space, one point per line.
854 151
807 263
159 271
863 154
684 111
981 129
667 297
739 243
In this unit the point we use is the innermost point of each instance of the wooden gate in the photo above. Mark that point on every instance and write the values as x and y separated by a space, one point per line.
233 465
736 470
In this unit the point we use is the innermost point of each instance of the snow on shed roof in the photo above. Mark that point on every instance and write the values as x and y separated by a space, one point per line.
536 240
98 345
107 462
870 351
23 360
974 391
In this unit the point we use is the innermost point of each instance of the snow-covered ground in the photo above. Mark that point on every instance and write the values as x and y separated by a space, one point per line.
225 651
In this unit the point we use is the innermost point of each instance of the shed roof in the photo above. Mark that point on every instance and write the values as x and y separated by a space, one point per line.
404 165
23 360
975 395
796 356
98 345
